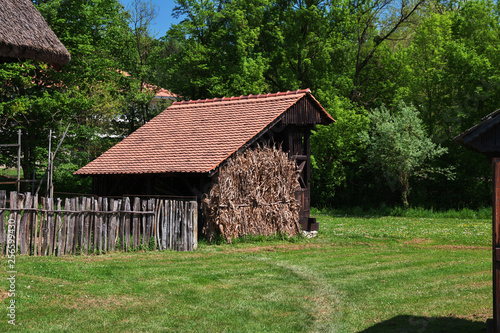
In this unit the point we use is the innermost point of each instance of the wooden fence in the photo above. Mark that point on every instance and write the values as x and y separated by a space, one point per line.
95 225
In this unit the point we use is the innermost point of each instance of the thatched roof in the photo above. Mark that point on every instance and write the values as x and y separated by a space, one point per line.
24 34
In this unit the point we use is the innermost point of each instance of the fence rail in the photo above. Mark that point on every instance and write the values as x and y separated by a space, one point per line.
83 225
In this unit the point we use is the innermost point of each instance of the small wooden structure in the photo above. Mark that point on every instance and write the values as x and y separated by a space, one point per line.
179 151
484 138
24 34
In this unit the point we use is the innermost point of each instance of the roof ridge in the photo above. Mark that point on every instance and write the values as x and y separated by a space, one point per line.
242 97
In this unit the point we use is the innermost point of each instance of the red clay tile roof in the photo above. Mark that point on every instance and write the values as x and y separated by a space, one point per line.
194 136
160 93
164 93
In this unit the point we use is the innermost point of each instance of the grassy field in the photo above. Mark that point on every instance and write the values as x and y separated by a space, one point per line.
361 274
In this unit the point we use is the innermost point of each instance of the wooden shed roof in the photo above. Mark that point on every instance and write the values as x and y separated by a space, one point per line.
484 137
197 136
24 34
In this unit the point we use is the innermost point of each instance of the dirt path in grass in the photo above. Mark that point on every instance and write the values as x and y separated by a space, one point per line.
326 309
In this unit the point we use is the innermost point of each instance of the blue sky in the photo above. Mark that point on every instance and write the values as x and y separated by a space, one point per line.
164 19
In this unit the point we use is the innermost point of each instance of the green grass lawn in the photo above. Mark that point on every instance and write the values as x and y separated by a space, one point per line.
361 274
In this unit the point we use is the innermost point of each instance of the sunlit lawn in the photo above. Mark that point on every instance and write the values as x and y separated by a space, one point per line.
379 274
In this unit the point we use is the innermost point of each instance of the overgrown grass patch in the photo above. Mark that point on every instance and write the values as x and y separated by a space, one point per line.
380 274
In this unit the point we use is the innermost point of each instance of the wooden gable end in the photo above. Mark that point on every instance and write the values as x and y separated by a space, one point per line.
305 111
483 138
486 142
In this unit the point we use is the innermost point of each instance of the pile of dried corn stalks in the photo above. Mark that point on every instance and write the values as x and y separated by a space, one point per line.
253 195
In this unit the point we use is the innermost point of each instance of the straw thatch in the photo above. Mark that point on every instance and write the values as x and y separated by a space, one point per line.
24 34
254 194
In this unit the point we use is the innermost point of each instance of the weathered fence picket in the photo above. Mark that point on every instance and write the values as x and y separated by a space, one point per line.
96 225
3 196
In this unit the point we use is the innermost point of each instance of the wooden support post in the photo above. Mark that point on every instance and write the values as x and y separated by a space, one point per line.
3 199
496 244
74 226
195 224
48 163
105 225
126 225
61 248
34 227
86 225
142 230
24 225
136 223
43 228
50 226
150 222
98 226
18 182
114 206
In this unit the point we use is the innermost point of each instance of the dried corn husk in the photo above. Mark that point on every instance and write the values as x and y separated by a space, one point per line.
254 194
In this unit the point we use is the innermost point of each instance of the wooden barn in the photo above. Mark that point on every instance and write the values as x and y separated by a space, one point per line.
24 34
484 138
179 151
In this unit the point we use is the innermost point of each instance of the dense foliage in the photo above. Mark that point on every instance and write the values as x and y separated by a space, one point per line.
357 57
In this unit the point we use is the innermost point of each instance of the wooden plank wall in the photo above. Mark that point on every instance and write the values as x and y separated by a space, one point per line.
86 225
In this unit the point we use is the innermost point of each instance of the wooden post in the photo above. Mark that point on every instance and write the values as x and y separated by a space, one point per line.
195 224
18 182
104 224
165 225
23 227
69 205
126 225
64 229
135 223
36 227
72 235
496 244
176 225
154 232
98 226
143 222
43 229
114 206
48 163
57 228
171 224
50 225
81 224
20 205
184 222
3 199
150 221
86 225
30 227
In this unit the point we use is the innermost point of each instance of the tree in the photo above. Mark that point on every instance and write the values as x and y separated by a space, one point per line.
85 93
336 151
375 22
138 59
398 145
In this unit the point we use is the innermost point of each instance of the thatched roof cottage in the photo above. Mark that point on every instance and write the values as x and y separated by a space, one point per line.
24 34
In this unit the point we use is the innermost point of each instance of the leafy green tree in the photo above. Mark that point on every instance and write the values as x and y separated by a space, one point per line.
217 53
337 150
398 145
37 98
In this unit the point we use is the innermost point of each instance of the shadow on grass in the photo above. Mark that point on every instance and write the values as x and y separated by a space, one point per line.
413 324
